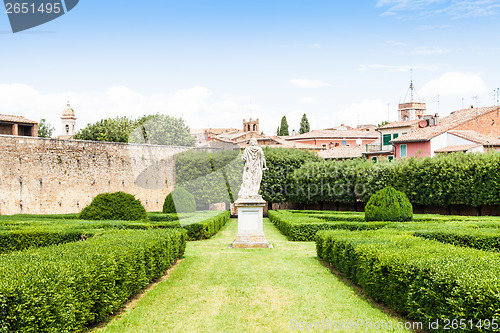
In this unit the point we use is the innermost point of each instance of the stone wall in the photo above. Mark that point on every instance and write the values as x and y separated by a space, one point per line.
50 176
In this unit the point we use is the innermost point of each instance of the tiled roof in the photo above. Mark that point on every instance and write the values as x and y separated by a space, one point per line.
403 123
280 143
16 119
445 124
335 134
477 137
451 149
341 152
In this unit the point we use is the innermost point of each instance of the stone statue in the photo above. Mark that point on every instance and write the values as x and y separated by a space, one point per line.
255 164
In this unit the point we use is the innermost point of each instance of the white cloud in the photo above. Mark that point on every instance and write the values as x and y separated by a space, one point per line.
398 68
430 51
305 83
308 101
455 84
372 111
454 8
196 105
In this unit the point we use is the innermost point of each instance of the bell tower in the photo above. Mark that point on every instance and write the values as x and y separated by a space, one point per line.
68 121
412 109
251 125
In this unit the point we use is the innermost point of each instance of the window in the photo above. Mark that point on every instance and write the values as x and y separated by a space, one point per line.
374 159
386 139
403 150
390 158
323 145
395 135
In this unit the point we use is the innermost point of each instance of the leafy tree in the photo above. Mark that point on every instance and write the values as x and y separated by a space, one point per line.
385 122
304 125
112 130
45 129
283 129
162 130
155 129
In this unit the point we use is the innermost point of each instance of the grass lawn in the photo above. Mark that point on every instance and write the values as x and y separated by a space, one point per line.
218 289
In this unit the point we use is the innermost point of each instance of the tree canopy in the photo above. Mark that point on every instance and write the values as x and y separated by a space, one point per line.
45 129
155 129
304 125
283 128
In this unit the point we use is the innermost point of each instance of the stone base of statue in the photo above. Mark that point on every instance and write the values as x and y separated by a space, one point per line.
250 224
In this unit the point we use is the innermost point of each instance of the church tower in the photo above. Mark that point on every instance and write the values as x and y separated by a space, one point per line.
251 125
412 109
68 122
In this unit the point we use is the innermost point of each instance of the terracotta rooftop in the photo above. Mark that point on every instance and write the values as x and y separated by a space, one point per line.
335 134
452 149
403 123
341 152
445 124
16 119
477 137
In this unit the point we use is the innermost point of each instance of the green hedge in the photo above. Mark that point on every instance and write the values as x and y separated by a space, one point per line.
303 227
114 206
469 179
66 288
38 237
421 279
482 239
203 228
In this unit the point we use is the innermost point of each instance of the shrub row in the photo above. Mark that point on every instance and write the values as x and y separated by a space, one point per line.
482 239
422 279
38 237
470 179
66 288
302 227
203 228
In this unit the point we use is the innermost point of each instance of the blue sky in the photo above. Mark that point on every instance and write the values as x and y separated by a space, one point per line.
216 62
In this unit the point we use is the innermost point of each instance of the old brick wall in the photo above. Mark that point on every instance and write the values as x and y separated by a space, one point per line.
50 176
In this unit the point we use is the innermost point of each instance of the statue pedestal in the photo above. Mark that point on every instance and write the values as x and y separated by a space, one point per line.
250 225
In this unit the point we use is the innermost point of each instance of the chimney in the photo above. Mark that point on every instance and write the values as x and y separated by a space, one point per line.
436 119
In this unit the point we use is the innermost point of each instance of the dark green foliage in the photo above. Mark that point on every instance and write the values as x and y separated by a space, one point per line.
210 177
283 128
179 201
205 228
66 288
454 179
304 125
114 206
278 183
111 130
422 279
162 217
389 205
33 237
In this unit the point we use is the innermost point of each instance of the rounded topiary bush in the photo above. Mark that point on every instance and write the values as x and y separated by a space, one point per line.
114 206
179 201
388 204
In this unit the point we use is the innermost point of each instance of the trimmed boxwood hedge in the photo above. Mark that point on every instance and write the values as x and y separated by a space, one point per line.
38 237
114 206
66 288
389 205
179 201
482 239
303 227
421 279
206 228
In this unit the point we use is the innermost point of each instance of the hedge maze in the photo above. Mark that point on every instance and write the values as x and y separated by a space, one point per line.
433 268
62 274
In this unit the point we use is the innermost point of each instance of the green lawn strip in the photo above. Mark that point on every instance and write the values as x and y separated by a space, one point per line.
219 289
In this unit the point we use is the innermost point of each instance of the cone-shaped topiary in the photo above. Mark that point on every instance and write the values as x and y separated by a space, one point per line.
179 201
389 205
114 206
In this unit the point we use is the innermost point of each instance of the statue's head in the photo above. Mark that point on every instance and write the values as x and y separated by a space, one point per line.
253 142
